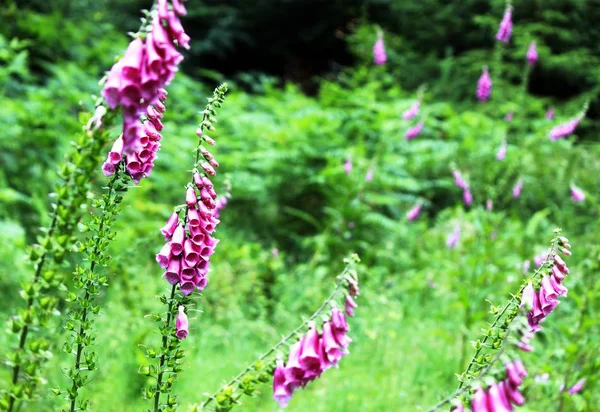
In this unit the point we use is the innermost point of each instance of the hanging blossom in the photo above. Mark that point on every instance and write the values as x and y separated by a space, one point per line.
458 179
517 188
505 28
501 155
565 129
577 387
453 238
411 112
532 54
467 196
577 194
379 55
414 131
182 324
136 83
414 213
315 352
550 113
500 396
541 299
348 166
484 85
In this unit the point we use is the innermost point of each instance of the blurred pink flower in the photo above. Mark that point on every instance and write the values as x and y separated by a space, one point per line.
532 54
412 111
379 55
577 194
505 28
484 85
414 212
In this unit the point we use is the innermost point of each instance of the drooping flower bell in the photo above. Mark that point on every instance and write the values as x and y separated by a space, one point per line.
182 324
505 28
565 129
453 237
379 55
517 188
414 131
484 85
411 112
467 196
532 54
577 387
413 213
577 194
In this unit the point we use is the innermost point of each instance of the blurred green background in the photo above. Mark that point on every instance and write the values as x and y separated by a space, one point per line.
304 98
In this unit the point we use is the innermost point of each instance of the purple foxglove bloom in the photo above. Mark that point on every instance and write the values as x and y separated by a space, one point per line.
557 273
509 116
177 240
350 305
164 255
577 194
577 387
294 372
458 408
484 86
528 297
558 287
190 196
480 401
169 228
513 374
173 271
516 192
309 359
458 179
183 327
532 54
501 155
467 196
550 113
538 313
513 394
521 368
414 212
332 349
453 238
369 175
505 28
565 129
548 289
497 399
281 392
348 166
379 55
412 111
414 131
525 347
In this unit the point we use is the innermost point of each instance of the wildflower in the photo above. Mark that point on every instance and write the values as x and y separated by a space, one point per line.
577 387
414 212
136 84
516 191
182 324
501 155
550 113
532 54
379 55
281 392
412 111
348 166
484 85
565 129
453 238
414 131
350 305
467 196
370 173
577 194
509 116
458 179
505 28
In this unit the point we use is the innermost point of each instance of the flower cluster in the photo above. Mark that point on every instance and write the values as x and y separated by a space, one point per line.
412 111
484 85
565 129
503 395
379 55
136 84
532 54
414 131
542 302
414 213
315 352
505 28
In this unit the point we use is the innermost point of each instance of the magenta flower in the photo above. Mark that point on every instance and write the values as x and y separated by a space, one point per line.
509 116
379 55
348 166
453 238
577 194
550 113
467 196
414 131
565 129
484 86
532 54
350 305
182 324
518 187
505 28
413 213
501 155
136 84
577 387
370 174
281 392
458 179
412 111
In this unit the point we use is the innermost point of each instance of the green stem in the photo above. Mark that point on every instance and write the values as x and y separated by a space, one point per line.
165 341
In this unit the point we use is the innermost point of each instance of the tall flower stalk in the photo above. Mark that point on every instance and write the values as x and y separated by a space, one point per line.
261 370
39 292
185 258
